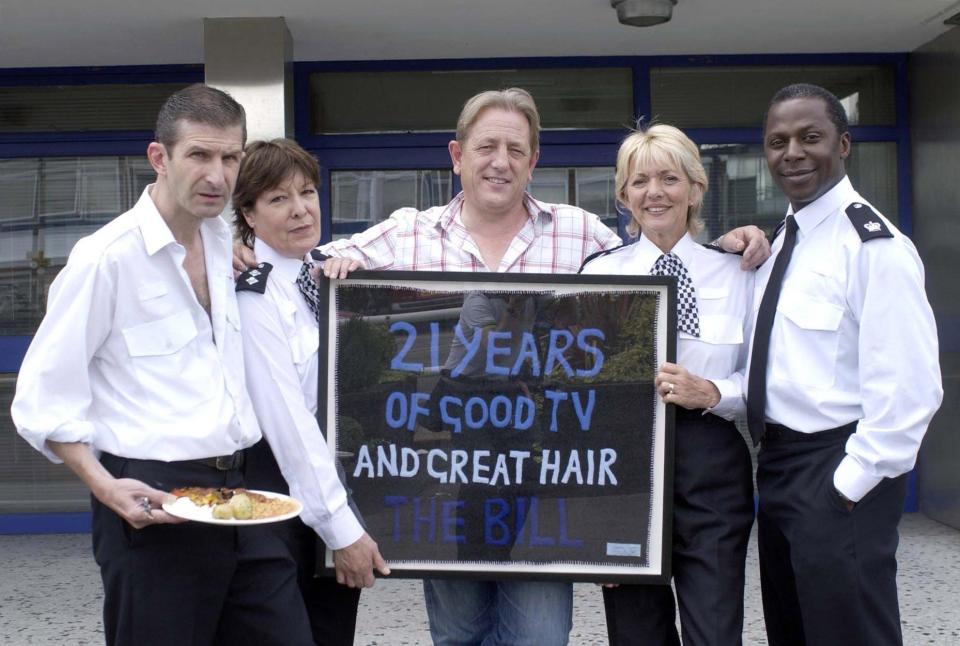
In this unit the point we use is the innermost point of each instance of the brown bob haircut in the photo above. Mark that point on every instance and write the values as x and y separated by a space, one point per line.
265 166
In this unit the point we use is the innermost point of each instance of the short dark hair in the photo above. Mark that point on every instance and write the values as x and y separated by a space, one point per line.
198 103
265 166
835 110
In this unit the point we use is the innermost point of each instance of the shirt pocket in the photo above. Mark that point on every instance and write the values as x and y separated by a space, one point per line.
717 326
721 330
304 344
150 291
810 335
163 337
166 362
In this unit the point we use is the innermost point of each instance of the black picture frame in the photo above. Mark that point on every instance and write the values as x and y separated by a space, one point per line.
560 469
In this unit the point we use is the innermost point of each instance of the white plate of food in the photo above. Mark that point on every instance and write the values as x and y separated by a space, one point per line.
224 506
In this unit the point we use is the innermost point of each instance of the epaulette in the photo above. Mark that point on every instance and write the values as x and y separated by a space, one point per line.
599 254
713 246
254 280
317 256
867 223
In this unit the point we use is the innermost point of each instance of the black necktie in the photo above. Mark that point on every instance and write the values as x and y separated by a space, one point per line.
757 379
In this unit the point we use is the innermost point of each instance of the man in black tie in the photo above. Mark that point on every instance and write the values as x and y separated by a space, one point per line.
843 381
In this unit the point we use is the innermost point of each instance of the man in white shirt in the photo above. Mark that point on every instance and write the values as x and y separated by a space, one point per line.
135 380
843 380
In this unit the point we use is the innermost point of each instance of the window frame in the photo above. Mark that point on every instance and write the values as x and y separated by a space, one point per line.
559 148
563 148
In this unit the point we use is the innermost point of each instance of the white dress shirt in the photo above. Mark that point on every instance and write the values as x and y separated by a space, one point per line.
854 339
280 342
555 239
723 294
126 360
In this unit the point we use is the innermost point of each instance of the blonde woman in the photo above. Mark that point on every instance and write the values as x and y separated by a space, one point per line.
661 180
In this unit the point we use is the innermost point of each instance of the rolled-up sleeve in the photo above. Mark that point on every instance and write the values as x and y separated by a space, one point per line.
53 395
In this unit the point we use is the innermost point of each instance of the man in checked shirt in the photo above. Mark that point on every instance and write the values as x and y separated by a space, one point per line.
493 225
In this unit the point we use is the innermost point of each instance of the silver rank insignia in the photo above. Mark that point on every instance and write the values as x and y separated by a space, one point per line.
866 222
255 280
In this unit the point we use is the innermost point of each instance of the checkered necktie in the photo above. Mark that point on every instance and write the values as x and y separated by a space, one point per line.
308 287
688 320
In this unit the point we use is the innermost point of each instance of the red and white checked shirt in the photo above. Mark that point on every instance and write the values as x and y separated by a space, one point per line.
555 239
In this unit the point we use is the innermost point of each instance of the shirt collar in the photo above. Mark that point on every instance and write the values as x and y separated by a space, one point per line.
157 234
534 207
287 269
648 253
817 211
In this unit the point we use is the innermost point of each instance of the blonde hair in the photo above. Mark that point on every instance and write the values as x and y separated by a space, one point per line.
662 145
512 99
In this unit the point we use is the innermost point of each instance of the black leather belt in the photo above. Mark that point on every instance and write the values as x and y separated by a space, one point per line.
221 462
781 433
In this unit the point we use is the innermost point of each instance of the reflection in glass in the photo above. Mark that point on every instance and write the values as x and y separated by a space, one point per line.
727 97
592 189
363 198
30 483
82 108
393 101
742 190
46 205
552 185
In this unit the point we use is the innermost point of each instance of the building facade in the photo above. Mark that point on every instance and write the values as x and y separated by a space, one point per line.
72 142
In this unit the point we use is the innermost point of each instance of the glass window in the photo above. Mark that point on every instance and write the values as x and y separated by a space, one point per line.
29 483
742 190
363 198
79 108
46 205
725 97
592 189
423 101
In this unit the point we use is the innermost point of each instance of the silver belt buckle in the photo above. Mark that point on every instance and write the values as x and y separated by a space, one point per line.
225 462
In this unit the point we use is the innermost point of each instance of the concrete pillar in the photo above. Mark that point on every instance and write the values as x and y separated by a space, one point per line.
251 58
934 128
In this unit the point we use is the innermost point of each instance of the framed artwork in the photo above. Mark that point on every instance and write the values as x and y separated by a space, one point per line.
504 425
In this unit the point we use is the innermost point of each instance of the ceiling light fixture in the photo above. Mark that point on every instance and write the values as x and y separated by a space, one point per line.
643 13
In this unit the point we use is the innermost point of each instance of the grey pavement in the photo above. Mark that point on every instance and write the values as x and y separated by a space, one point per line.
50 594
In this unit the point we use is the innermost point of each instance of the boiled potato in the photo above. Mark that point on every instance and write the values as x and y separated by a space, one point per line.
223 512
242 507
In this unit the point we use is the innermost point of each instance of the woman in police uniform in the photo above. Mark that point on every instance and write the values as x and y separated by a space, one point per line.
661 180
278 213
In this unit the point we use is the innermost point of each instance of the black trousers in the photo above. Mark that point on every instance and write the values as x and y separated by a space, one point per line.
193 583
331 607
828 575
712 517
